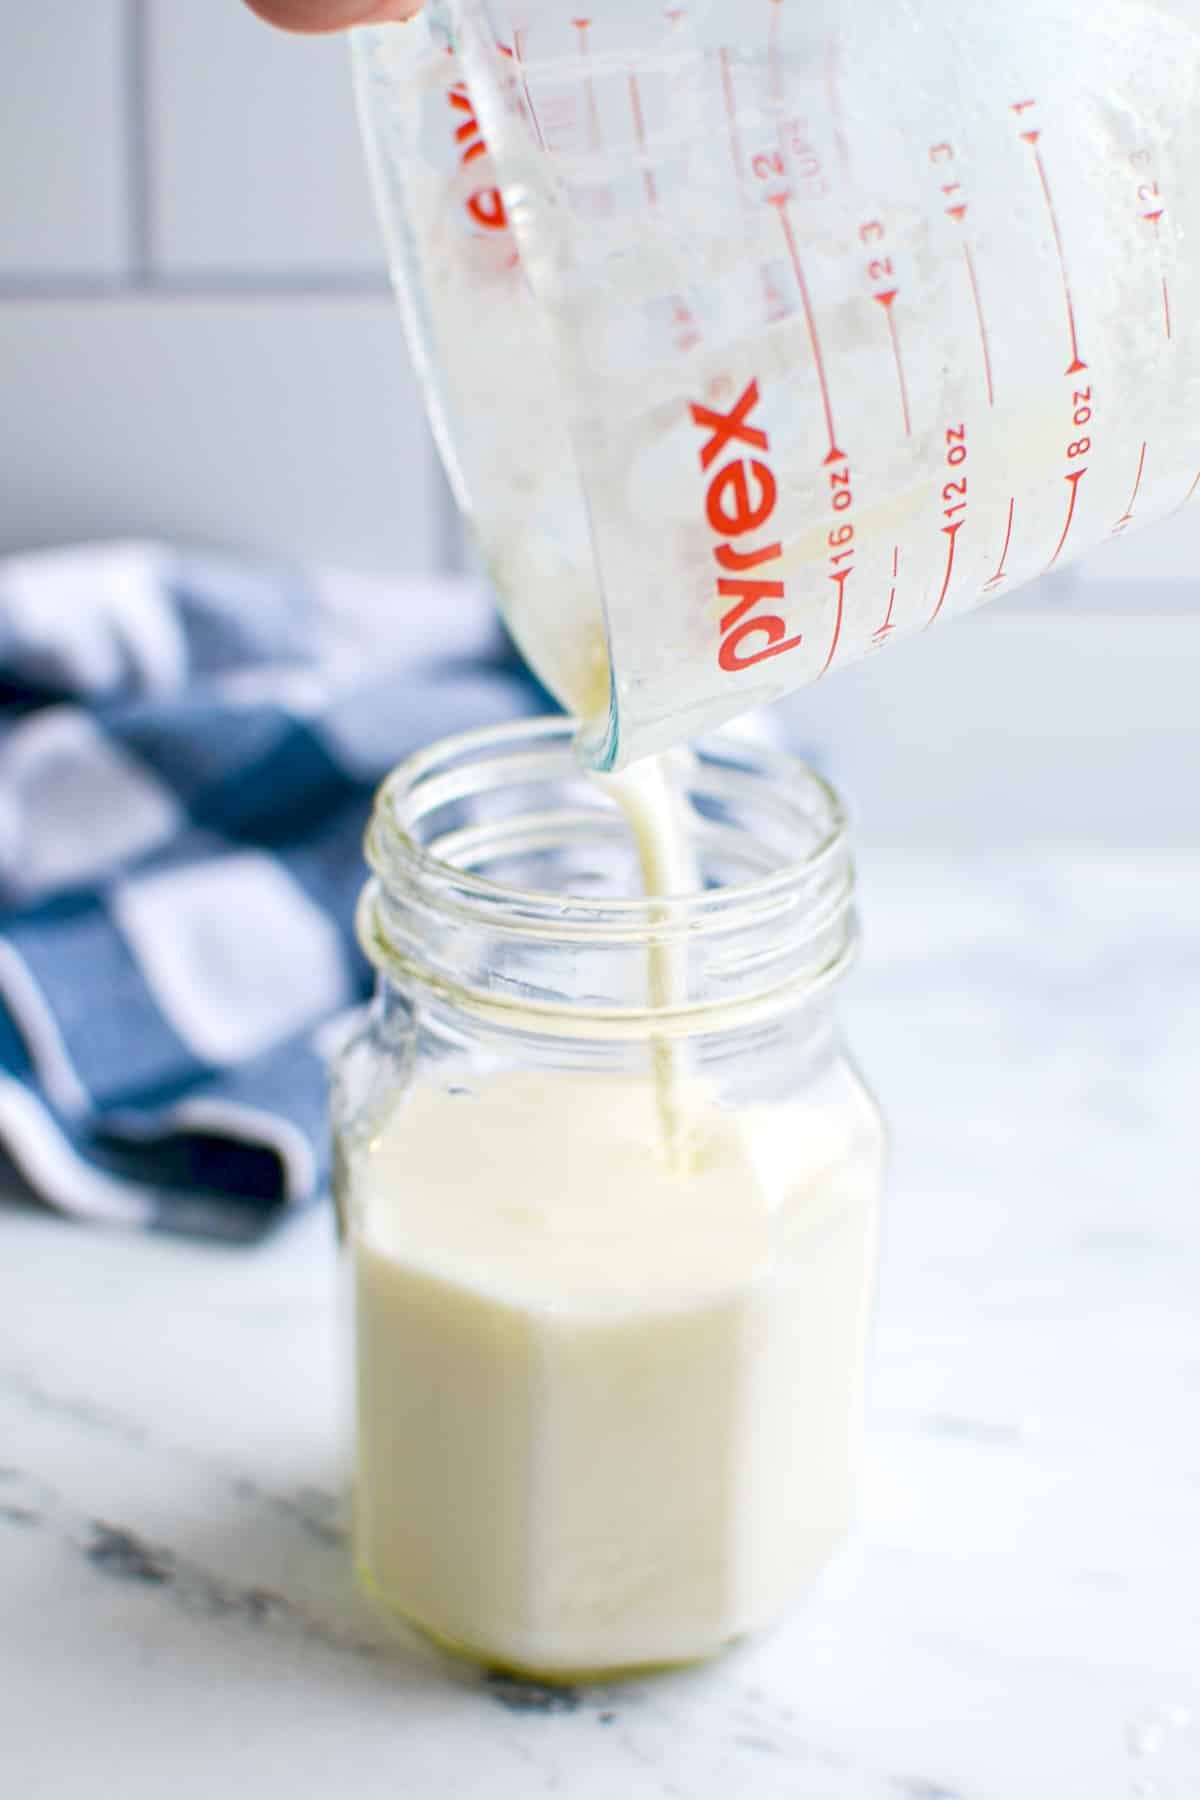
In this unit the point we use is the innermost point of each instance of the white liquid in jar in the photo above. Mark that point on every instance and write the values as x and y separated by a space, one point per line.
607 1414
610 1339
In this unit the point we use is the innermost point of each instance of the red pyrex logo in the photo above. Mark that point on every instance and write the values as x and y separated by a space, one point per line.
741 498
485 206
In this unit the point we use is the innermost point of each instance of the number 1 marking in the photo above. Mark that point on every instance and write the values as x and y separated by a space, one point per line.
1076 363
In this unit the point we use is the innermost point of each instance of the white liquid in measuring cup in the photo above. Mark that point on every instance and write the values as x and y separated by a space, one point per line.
595 1427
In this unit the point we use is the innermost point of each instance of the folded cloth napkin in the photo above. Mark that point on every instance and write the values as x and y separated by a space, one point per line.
188 748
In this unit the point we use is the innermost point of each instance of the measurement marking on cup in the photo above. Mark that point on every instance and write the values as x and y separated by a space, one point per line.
880 633
773 35
688 332
603 192
518 59
1074 478
1000 576
956 207
952 532
841 541
585 51
842 576
768 167
954 501
774 72
639 129
886 300
833 99
983 336
1031 137
1127 515
780 201
1081 400
1150 197
735 142
882 269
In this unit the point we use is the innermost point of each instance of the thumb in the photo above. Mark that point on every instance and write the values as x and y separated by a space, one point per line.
331 15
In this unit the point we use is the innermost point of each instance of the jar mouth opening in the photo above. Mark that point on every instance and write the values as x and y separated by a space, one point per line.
800 849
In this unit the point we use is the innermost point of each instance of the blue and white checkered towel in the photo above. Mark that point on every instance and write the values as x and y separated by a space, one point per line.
188 748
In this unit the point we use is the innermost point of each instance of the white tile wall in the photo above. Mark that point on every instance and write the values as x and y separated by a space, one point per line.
196 339
63 138
254 153
283 425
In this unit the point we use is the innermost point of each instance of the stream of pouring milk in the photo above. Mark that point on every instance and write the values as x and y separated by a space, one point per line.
651 796
650 793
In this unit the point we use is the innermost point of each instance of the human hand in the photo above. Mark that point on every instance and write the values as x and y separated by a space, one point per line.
331 15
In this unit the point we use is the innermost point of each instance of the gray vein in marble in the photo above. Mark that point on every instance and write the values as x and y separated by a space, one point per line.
19 1515
977 1431
311 1510
647 1761
118 1553
749 1741
30 1393
519 1695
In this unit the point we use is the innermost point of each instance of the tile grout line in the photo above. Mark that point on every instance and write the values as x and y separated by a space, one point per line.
281 284
137 143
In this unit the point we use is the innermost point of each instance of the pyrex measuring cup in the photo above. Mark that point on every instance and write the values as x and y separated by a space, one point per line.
757 333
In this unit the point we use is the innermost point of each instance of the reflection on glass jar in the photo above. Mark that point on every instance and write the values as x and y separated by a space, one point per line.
609 1389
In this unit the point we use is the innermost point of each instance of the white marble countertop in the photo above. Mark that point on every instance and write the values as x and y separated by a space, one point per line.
1020 1617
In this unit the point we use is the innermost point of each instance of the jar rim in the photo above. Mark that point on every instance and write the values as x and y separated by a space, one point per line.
395 853
745 949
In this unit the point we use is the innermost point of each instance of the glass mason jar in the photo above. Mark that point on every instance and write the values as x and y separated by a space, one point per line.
609 1189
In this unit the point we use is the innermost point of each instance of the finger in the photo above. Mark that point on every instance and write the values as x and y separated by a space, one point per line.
331 15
